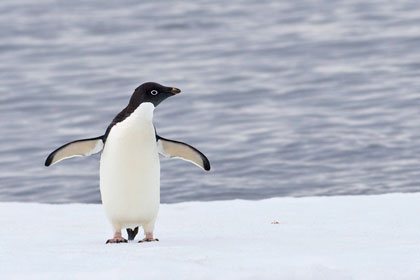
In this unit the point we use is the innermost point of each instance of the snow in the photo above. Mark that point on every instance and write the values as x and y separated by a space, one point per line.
348 237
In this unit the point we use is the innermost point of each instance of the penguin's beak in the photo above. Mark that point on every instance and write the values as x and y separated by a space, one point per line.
175 91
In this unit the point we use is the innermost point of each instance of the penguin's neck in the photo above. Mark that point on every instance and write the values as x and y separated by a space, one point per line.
139 125
143 113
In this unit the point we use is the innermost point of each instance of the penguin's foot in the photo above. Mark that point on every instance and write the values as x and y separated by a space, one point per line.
148 238
117 239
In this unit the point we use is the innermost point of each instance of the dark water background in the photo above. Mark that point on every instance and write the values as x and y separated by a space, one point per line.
286 98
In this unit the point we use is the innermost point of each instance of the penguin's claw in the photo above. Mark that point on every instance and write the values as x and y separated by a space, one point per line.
116 240
148 240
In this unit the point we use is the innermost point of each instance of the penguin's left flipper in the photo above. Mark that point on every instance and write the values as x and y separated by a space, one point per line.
79 148
176 149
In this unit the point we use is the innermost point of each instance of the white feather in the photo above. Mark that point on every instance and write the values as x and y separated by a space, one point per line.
130 172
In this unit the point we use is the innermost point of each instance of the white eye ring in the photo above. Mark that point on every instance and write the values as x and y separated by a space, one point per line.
154 92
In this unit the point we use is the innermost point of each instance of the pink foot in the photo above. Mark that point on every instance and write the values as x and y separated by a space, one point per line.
117 239
148 238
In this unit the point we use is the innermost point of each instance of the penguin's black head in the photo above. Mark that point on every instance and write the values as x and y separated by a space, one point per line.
153 93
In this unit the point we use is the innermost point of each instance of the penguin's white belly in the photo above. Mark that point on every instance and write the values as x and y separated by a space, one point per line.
130 172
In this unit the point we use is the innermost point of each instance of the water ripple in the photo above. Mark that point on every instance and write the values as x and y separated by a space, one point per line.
286 98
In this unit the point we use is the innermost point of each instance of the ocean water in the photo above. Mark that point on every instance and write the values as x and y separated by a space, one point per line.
286 98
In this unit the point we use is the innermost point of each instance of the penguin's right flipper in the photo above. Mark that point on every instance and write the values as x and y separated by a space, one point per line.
132 233
79 148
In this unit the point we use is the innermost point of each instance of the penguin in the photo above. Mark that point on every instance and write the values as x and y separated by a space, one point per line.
130 165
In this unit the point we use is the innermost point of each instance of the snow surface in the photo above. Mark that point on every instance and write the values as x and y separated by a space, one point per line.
352 237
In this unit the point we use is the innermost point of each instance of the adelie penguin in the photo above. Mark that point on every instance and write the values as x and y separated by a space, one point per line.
130 167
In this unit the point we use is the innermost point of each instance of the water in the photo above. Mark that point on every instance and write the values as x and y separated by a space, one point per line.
286 98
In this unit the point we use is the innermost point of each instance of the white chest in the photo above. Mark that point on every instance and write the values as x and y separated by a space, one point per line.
130 169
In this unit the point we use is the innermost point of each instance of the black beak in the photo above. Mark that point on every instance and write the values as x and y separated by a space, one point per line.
175 91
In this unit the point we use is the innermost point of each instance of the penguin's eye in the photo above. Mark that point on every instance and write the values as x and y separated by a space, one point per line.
154 92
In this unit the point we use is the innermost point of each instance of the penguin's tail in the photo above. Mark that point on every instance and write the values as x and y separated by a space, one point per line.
132 233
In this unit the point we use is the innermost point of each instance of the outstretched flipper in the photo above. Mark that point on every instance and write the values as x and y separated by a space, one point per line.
175 149
79 148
